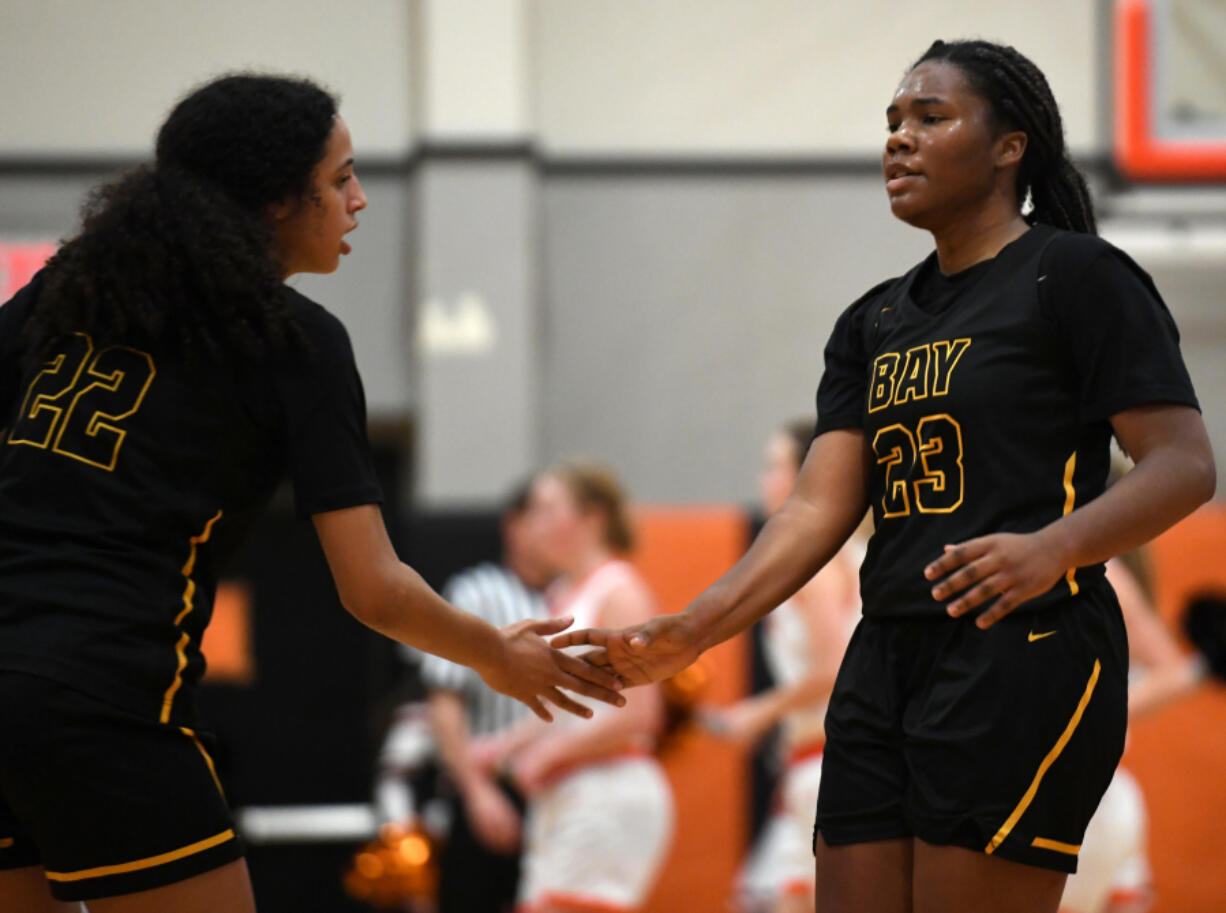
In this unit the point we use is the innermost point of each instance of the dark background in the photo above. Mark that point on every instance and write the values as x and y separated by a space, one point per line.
307 730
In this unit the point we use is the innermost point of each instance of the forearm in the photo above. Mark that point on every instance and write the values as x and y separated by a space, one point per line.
402 606
828 502
1160 687
793 545
1166 485
812 689
449 722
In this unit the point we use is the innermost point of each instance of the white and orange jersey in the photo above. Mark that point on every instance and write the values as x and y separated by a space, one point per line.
789 655
585 601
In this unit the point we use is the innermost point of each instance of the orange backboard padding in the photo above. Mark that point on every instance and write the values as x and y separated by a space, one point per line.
1179 755
226 644
681 551
1139 152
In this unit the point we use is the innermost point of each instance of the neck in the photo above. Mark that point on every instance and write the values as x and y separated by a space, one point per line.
589 560
968 241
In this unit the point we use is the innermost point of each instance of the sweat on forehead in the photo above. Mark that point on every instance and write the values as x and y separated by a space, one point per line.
931 81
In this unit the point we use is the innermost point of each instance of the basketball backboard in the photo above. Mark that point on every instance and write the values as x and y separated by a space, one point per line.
1169 89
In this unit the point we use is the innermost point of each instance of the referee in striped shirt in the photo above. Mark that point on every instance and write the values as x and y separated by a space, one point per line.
479 870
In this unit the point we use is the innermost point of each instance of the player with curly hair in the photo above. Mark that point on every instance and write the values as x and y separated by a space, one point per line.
157 381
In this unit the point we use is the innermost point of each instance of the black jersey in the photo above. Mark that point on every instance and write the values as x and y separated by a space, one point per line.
985 398
125 478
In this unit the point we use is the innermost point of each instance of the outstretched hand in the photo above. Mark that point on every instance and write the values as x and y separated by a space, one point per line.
644 653
532 671
1006 568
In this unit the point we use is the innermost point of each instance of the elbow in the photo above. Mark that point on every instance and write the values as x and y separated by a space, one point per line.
364 603
1203 472
1210 479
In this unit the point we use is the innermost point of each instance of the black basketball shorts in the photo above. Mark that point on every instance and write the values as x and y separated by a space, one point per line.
105 801
1001 741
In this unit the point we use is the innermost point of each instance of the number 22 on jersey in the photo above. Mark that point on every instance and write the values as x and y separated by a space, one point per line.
76 404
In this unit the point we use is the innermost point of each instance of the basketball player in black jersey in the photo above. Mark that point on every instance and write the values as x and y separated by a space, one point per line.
157 380
980 709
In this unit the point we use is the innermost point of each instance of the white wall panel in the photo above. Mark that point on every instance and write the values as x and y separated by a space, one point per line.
96 78
774 76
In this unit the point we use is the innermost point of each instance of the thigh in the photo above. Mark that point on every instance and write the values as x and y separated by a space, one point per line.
949 878
113 804
227 887
25 890
869 877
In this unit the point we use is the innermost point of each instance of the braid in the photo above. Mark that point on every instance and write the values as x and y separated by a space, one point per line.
1021 99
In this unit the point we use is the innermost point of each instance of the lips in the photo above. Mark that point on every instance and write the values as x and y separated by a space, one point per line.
898 176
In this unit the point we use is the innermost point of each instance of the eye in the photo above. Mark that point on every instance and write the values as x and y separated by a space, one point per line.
890 128
933 118
343 180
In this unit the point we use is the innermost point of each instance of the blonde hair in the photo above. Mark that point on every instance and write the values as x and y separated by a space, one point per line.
594 487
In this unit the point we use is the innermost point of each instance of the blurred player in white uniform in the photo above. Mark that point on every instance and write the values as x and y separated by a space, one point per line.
1113 873
805 641
600 812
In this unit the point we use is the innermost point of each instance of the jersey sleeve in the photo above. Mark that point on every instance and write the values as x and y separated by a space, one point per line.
844 385
330 463
1121 342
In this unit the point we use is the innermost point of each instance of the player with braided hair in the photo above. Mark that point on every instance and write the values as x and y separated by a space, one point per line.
979 712
1021 99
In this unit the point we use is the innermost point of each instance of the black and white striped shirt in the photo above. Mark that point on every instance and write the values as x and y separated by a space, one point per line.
497 595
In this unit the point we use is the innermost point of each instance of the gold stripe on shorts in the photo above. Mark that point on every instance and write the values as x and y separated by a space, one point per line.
161 859
1028 796
1043 843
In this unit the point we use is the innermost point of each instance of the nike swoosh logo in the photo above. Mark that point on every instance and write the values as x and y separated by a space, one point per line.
1032 637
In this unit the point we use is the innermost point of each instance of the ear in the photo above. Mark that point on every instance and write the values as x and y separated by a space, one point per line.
1010 148
282 210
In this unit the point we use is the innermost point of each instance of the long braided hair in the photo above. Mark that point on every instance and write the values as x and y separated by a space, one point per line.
1022 100
178 253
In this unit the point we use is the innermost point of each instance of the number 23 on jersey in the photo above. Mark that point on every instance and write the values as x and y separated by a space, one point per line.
76 405
923 465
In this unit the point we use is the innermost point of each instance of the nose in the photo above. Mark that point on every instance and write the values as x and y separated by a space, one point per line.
900 140
358 202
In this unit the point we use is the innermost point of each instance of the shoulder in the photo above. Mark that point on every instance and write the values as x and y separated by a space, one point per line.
319 324
1084 278
19 306
627 599
324 351
854 312
849 334
1074 256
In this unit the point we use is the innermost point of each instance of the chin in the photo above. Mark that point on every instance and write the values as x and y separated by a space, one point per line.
908 211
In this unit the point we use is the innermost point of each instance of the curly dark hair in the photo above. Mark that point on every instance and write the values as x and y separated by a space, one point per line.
179 252
1022 100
